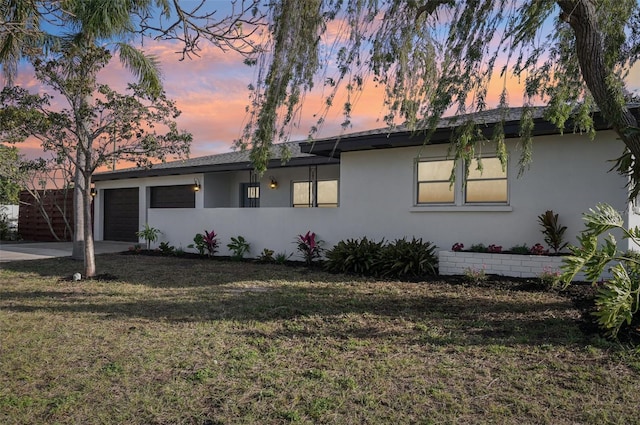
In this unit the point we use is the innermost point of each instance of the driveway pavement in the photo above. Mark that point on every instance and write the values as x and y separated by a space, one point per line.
15 251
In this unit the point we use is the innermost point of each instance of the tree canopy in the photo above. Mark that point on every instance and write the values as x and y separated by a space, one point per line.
439 56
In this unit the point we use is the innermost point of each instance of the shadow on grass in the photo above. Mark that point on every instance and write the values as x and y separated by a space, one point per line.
434 314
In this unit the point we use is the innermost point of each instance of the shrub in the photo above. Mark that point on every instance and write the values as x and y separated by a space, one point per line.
549 278
309 247
538 249
207 242
520 249
479 247
618 299
552 230
239 246
402 258
495 249
475 275
266 256
457 247
166 249
359 256
149 234
282 257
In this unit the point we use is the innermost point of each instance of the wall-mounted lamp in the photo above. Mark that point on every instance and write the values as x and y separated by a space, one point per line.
94 192
273 184
196 185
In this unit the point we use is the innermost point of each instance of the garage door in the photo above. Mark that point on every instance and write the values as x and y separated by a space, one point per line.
121 214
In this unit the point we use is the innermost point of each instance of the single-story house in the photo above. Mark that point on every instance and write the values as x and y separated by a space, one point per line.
381 184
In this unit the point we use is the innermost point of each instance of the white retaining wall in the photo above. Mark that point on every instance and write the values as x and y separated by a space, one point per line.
456 263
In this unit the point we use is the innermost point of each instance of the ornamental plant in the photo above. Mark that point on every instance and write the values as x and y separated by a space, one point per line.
494 249
149 234
538 249
552 230
239 246
618 298
358 256
205 243
309 247
457 247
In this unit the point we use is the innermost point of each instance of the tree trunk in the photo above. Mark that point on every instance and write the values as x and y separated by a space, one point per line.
601 80
78 207
89 251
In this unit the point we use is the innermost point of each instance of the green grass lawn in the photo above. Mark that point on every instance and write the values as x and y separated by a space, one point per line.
182 341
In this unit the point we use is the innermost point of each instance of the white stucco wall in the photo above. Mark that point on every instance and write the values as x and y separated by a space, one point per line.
569 175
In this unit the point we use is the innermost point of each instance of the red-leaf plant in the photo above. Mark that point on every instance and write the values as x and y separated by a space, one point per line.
211 242
309 247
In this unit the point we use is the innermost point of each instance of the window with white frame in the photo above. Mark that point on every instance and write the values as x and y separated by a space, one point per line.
321 193
487 185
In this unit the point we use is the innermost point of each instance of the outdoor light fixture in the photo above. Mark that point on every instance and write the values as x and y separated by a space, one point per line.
273 184
196 185
93 192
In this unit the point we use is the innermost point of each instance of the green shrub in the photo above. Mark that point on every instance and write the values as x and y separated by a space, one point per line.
239 246
479 247
166 249
520 249
359 256
266 256
402 258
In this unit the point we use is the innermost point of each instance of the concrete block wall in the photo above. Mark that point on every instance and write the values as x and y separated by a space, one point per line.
456 263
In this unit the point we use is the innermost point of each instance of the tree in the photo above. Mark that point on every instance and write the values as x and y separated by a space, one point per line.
82 134
9 189
74 47
434 56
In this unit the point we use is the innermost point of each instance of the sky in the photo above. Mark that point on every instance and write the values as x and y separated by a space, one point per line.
212 93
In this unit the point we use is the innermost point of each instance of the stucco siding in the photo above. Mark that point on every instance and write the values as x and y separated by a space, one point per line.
569 175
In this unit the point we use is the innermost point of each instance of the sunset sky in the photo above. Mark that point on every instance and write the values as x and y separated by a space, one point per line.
211 91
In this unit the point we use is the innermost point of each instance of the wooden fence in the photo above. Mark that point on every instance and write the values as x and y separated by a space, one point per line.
32 225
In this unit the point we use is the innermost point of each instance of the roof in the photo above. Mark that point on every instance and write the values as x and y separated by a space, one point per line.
402 136
328 150
229 161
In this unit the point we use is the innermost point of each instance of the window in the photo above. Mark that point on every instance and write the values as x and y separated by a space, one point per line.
433 182
322 193
181 196
250 195
488 186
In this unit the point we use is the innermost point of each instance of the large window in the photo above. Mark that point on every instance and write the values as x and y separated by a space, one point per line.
487 185
433 182
322 193
181 196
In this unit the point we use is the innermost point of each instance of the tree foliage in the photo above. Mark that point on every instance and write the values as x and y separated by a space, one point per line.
618 299
9 189
66 41
437 56
97 126
31 27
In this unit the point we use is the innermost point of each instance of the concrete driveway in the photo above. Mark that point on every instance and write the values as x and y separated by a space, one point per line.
15 251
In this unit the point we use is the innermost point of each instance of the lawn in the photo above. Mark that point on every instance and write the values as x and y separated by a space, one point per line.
164 340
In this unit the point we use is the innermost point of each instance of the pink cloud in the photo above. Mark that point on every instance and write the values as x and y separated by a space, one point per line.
211 91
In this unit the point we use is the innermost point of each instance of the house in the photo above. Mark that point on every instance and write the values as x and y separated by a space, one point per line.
380 184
